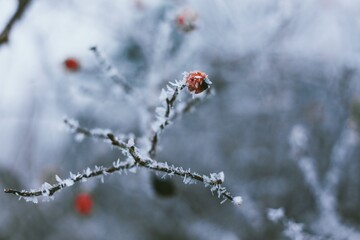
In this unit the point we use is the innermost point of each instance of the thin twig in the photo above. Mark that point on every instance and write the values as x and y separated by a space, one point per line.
77 178
74 125
111 71
22 5
169 105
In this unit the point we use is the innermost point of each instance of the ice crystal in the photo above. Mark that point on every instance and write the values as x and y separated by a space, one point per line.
237 200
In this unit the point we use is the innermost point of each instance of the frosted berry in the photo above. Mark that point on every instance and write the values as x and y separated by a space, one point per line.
186 20
83 204
72 64
197 81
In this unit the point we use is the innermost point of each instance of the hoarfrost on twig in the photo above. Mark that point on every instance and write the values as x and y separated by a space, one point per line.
214 180
134 157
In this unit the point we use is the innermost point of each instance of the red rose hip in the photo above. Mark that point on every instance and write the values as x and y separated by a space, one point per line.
197 81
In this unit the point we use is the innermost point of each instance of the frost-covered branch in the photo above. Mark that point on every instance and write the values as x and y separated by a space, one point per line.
325 194
214 180
291 229
47 190
186 107
348 141
22 5
168 99
96 133
298 140
196 82
134 159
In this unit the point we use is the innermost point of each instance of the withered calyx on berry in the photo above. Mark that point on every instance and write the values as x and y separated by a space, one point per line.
197 81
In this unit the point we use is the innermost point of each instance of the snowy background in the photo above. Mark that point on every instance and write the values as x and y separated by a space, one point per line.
283 125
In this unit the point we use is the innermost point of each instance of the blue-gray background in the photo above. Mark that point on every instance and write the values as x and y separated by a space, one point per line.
283 124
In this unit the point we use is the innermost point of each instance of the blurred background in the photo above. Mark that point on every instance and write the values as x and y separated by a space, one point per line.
283 123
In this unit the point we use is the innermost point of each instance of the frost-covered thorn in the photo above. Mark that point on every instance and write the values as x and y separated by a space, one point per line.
220 177
131 142
58 179
237 200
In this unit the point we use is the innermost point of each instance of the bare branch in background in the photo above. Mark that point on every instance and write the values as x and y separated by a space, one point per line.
111 72
22 6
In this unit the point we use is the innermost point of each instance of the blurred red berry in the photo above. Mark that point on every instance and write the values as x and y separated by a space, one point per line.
180 20
197 81
83 204
72 64
139 4
186 20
